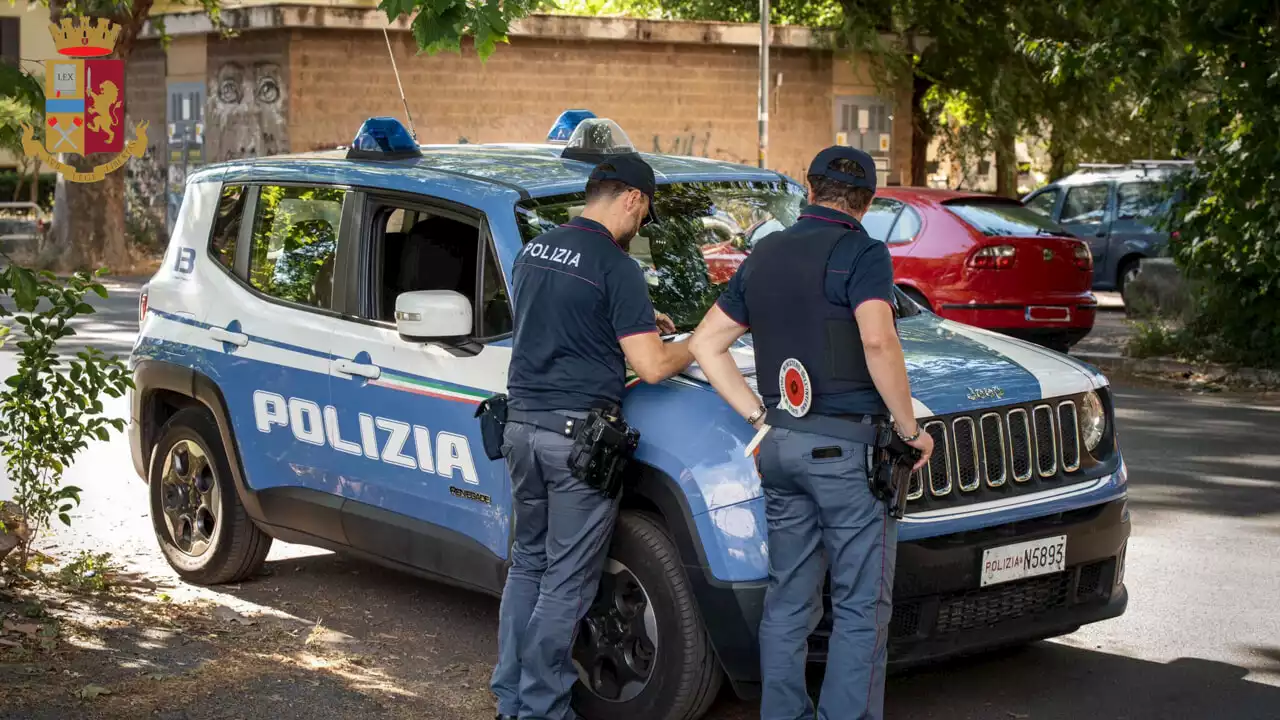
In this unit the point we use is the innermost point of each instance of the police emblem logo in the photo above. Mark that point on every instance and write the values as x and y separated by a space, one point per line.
84 102
796 391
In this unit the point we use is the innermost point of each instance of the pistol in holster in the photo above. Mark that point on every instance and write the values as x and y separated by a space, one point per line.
493 421
602 450
889 476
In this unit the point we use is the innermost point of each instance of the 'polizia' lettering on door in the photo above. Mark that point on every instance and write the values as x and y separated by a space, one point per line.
316 426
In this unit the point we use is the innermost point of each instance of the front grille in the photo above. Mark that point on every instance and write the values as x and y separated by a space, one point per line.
937 616
991 606
1004 450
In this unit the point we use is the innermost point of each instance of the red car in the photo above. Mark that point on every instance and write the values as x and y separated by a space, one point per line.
987 261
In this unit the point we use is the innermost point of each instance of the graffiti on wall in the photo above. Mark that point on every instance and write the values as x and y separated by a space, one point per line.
246 111
691 143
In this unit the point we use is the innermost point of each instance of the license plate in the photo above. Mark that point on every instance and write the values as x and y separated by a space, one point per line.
1024 560
1048 313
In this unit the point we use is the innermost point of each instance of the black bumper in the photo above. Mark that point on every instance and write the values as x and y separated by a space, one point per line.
940 611
1067 335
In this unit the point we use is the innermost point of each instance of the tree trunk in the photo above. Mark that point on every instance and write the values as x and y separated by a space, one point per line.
921 131
1059 150
89 226
1006 164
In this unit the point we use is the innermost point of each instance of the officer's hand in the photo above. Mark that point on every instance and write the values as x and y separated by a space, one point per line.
665 326
924 444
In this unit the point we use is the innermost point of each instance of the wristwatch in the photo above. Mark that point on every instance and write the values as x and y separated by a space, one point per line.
904 438
755 416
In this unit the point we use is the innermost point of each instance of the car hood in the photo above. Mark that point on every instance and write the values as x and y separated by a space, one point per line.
957 368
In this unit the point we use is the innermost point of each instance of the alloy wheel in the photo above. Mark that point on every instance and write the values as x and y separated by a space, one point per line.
617 642
190 498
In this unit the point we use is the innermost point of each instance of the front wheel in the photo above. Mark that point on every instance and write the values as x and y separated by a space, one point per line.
642 652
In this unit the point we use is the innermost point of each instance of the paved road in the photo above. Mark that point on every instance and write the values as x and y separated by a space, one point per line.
1201 638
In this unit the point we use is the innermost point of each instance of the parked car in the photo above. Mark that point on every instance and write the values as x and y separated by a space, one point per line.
323 326
22 224
1118 209
988 262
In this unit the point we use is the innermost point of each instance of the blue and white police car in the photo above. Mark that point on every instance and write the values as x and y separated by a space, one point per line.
324 325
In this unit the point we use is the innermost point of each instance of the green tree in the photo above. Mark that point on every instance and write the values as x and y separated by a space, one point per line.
1212 66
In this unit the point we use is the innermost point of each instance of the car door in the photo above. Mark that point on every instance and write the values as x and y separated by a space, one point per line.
1141 206
1086 214
272 310
420 489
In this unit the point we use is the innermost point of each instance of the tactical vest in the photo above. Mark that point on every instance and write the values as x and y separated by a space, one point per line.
791 317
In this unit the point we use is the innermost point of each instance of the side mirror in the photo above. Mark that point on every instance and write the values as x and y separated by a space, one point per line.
433 315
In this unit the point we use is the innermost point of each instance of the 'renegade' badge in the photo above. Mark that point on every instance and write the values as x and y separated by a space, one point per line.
793 382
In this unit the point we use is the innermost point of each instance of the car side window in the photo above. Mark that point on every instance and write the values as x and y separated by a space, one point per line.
1139 200
1044 203
880 216
226 226
907 226
1085 204
419 248
295 243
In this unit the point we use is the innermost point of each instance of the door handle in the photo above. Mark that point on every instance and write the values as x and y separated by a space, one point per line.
226 336
350 367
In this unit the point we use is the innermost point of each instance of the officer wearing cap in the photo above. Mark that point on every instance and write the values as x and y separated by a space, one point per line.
582 313
818 300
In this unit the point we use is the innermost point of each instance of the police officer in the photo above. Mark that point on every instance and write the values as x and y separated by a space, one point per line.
818 300
582 308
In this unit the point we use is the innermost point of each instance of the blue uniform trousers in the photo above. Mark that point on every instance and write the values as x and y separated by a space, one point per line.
562 532
821 508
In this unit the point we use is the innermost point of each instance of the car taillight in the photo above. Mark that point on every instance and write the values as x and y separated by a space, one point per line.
1084 258
993 257
142 307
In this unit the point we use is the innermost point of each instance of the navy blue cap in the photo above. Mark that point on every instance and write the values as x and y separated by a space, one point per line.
630 170
863 175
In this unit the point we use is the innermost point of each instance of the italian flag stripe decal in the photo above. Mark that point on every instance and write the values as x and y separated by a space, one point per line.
430 388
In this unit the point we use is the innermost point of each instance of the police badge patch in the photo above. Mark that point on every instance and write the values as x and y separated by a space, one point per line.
793 383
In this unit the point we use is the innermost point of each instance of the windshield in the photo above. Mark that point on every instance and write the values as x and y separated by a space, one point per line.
704 233
702 236
1003 217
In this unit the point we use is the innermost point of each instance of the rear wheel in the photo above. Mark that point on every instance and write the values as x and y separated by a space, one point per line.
1127 272
642 652
916 296
202 528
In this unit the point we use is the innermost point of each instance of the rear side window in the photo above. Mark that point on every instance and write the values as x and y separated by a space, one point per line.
880 216
295 243
226 226
1140 201
1085 204
1044 203
907 226
997 216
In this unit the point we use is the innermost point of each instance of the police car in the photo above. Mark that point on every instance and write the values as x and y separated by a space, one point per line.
324 325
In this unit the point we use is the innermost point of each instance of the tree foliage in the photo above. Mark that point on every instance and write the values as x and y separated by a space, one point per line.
1214 66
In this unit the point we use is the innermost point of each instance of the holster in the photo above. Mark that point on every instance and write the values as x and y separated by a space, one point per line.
493 421
889 476
602 450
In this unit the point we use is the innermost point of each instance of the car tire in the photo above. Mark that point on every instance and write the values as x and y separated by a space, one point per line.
203 530
644 573
1128 270
917 296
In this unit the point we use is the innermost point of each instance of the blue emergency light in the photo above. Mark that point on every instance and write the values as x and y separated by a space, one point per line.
383 138
566 124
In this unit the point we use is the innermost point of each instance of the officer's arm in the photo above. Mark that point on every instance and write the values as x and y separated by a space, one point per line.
885 361
654 360
710 345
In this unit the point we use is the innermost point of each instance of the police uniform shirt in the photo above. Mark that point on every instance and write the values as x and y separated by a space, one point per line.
858 271
577 293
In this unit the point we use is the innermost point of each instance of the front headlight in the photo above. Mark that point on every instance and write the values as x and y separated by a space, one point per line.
1093 421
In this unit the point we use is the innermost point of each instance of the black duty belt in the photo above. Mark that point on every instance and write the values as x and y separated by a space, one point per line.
550 420
876 434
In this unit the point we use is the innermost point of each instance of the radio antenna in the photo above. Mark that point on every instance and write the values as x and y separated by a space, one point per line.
408 114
